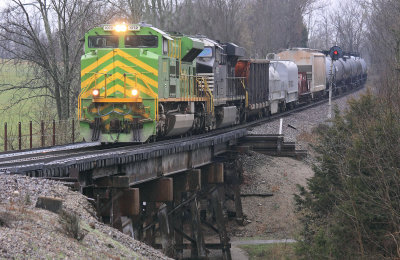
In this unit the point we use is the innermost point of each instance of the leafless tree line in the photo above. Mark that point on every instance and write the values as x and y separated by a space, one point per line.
45 35
344 25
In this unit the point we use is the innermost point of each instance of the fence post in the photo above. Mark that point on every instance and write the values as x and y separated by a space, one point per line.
73 130
19 136
54 132
42 132
5 137
30 134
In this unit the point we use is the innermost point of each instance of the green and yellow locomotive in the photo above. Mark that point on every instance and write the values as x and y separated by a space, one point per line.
138 82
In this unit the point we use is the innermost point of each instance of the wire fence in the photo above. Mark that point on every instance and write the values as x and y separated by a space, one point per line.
36 134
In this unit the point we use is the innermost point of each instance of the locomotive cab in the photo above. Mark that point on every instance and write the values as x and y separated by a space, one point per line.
126 72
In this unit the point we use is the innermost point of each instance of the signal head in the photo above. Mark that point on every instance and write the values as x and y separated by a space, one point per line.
335 53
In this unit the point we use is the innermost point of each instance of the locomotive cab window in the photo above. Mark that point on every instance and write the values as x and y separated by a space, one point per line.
165 46
206 53
103 41
141 41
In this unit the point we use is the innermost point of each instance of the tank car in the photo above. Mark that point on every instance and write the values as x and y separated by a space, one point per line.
340 76
363 71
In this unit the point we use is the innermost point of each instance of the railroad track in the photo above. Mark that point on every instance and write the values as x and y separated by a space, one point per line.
19 162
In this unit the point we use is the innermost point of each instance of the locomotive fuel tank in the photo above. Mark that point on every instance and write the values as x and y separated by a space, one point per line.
178 124
227 116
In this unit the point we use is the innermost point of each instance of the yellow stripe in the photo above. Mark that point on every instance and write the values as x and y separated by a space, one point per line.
120 88
95 64
118 110
146 79
137 62
123 55
139 75
105 118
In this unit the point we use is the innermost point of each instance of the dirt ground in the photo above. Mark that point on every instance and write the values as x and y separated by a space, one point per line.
270 217
274 217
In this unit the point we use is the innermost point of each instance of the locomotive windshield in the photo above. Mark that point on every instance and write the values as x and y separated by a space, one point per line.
103 41
206 53
141 41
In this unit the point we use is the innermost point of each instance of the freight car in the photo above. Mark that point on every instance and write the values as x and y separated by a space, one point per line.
311 69
139 83
314 68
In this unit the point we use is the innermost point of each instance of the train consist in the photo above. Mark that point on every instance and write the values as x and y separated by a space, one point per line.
139 83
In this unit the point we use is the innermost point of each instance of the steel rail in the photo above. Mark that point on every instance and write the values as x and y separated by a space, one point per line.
52 158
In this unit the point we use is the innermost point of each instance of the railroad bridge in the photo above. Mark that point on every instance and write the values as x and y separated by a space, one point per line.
166 193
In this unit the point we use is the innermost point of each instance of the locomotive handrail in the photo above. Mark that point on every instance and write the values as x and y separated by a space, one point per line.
203 82
80 98
246 93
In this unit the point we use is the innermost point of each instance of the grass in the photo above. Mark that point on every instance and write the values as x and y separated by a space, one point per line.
34 109
279 251
15 74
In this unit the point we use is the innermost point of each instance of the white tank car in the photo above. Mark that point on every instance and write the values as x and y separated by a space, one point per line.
288 74
276 95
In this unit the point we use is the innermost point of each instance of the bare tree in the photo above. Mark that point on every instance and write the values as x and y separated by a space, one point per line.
384 46
45 35
349 22
163 14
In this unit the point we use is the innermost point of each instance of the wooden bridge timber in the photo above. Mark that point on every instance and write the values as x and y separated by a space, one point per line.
165 194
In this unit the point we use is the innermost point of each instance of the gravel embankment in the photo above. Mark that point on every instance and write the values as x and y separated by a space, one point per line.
27 232
274 217
303 121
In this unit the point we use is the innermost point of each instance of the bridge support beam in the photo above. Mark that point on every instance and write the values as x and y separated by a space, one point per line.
161 190
215 173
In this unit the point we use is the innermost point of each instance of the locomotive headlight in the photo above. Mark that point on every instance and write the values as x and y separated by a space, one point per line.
135 92
121 27
95 92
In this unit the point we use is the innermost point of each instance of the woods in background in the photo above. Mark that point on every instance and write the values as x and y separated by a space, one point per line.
350 208
47 33
261 26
